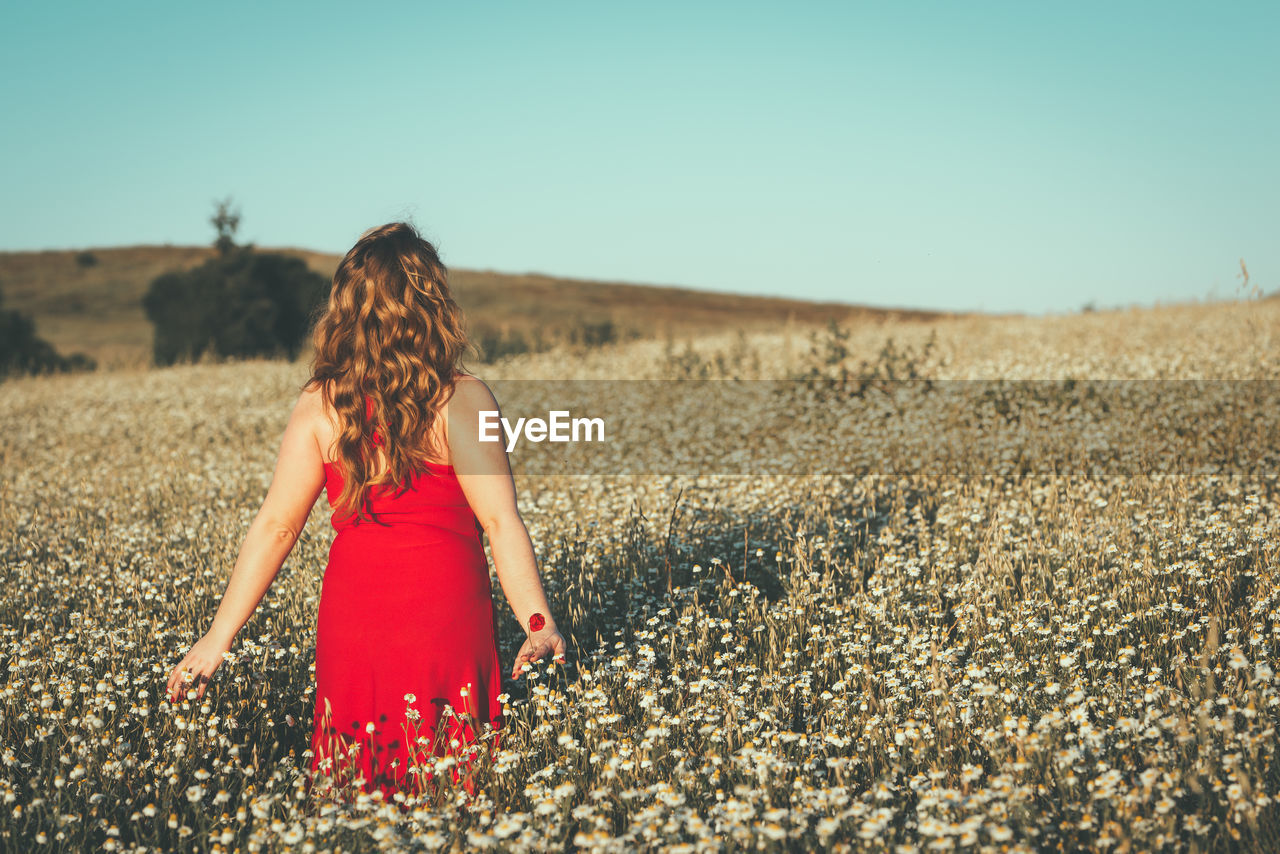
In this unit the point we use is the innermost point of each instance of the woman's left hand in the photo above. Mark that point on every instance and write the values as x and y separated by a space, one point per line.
537 646
203 659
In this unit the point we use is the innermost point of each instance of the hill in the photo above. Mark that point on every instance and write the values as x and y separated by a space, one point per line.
90 301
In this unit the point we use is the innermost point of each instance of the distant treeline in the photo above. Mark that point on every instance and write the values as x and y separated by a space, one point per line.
134 306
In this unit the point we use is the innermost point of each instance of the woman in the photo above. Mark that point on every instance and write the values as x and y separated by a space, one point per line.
388 425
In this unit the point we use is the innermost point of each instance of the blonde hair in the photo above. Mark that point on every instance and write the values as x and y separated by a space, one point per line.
388 349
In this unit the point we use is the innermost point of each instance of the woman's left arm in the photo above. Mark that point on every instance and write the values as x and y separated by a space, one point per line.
295 486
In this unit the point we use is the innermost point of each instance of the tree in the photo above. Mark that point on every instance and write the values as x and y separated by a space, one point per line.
240 304
24 352
225 221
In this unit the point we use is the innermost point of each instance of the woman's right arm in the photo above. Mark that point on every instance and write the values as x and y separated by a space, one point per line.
484 474
295 486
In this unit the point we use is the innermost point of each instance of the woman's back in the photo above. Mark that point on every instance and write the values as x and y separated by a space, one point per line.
430 498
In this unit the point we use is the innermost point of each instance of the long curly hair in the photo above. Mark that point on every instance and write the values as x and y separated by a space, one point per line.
388 349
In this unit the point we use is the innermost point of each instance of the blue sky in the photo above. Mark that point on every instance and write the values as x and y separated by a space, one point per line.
995 156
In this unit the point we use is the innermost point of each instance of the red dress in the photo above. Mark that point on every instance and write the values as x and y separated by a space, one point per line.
405 609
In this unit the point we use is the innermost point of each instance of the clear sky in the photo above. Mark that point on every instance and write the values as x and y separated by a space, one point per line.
1017 156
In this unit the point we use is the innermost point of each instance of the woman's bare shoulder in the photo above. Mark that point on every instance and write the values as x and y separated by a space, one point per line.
311 404
312 400
471 393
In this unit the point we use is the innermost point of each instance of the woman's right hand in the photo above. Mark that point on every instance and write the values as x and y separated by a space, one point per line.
204 658
537 646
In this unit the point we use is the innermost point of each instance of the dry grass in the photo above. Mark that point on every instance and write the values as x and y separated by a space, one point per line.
848 662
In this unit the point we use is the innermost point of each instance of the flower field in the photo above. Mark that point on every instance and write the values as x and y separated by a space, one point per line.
862 661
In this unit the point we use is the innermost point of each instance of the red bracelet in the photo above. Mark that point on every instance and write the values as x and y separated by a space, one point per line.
536 622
